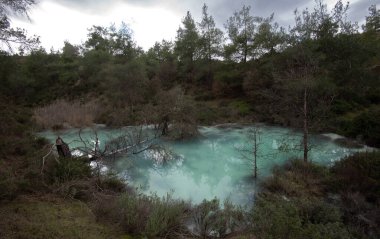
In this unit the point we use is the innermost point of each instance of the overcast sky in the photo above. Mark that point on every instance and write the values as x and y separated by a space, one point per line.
152 20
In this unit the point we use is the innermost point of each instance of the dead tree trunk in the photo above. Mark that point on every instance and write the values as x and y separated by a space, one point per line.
165 127
255 154
251 151
305 127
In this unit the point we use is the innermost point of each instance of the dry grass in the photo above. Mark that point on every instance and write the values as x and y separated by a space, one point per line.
51 217
62 113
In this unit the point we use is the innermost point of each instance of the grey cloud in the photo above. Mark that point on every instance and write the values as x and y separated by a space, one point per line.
92 6
359 10
261 8
220 9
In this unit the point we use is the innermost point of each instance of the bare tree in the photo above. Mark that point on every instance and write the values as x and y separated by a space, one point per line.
251 152
132 141
306 103
303 72
252 149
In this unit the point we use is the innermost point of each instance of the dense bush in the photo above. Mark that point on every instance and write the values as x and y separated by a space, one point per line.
68 169
367 126
228 80
242 107
213 221
358 173
281 217
297 178
304 200
167 217
139 214
357 180
20 151
113 183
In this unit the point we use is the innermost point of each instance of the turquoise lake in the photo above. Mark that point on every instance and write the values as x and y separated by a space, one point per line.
215 164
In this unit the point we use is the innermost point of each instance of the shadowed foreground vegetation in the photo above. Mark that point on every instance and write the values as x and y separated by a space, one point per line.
303 200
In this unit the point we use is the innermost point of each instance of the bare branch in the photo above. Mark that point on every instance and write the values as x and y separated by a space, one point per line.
45 157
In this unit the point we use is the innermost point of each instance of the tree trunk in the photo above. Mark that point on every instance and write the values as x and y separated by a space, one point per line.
209 80
255 154
165 127
245 53
305 129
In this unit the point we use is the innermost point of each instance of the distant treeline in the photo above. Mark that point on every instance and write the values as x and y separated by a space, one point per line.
266 71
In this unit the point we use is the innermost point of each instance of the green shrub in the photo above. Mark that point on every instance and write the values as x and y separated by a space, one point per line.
227 81
366 126
67 169
205 215
211 220
325 231
276 218
206 115
307 169
304 200
242 107
152 216
280 217
134 212
341 106
358 173
357 180
166 217
113 183
297 178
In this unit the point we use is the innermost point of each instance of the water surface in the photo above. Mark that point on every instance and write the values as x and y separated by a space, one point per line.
218 163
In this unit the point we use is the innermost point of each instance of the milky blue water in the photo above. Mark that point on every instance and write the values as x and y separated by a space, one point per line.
218 163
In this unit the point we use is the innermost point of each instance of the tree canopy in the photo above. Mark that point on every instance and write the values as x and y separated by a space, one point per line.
12 37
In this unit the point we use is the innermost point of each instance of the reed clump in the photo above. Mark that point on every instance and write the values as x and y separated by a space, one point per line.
63 114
